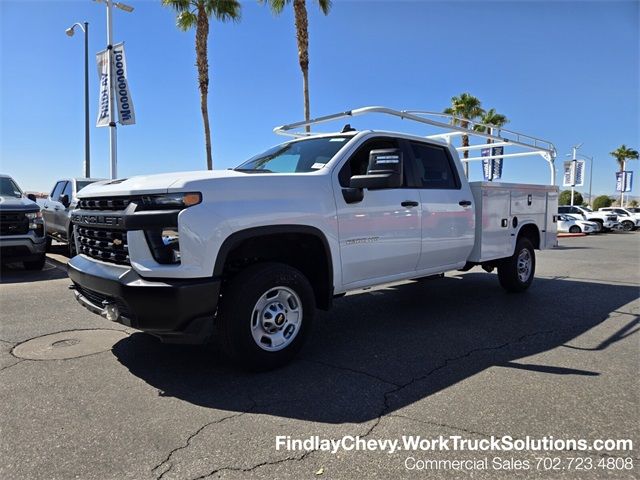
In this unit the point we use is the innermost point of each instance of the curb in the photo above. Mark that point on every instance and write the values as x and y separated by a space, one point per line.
569 235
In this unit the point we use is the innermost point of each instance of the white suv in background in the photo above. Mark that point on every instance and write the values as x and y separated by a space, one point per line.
606 220
630 220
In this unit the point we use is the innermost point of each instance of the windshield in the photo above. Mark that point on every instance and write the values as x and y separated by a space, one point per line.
587 209
80 184
301 156
8 188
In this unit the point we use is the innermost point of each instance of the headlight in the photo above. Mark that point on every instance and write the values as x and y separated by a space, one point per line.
169 201
35 222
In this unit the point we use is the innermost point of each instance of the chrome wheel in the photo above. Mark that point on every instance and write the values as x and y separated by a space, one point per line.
276 319
524 265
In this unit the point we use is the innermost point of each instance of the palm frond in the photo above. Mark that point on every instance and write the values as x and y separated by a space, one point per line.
186 20
276 5
177 5
325 6
223 10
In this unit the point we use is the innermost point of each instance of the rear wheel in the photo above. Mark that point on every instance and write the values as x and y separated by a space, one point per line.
574 229
36 264
516 272
265 314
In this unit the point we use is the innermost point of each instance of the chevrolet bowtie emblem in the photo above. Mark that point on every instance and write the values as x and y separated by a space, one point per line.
117 241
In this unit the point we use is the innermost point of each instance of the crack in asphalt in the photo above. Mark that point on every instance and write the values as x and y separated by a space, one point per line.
444 364
301 458
7 342
354 370
20 360
436 424
187 444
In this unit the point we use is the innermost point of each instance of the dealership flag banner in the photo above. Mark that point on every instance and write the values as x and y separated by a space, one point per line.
624 181
104 98
124 104
492 168
126 114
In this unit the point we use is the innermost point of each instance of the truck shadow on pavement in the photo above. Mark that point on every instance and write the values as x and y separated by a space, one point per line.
381 350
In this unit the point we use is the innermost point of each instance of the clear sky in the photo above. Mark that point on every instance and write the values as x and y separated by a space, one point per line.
563 71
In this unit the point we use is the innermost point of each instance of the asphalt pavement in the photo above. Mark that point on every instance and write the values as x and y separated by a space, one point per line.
455 356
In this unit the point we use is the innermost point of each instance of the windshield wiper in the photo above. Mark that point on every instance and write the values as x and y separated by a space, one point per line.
253 170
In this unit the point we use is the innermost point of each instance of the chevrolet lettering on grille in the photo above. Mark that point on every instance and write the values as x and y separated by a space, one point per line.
97 220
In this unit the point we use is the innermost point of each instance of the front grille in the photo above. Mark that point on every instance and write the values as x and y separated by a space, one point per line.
13 223
97 300
103 244
114 203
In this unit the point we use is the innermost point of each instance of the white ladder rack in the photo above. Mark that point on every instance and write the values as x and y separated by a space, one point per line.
530 146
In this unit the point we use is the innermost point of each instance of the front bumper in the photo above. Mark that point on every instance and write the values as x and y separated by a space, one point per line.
21 248
174 310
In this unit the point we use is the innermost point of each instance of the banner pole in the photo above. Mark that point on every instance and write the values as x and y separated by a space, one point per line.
113 144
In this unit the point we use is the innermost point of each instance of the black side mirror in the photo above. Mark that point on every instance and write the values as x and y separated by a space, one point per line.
31 197
64 200
384 171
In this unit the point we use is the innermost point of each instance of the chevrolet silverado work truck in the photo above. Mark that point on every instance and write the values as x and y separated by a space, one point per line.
246 255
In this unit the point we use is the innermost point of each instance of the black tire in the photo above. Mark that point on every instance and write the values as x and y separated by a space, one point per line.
72 244
574 229
601 223
238 318
508 272
36 264
47 246
628 225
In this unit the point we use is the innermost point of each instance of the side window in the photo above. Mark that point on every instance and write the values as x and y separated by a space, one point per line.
67 190
434 169
57 191
359 161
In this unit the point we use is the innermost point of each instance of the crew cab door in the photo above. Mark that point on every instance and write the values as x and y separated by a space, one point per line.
448 218
52 207
379 233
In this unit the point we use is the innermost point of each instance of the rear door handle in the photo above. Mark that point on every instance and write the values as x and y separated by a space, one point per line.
464 203
409 203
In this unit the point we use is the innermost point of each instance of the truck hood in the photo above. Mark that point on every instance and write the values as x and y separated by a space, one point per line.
149 184
13 204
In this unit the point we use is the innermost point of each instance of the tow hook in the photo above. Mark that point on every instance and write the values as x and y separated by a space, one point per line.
111 311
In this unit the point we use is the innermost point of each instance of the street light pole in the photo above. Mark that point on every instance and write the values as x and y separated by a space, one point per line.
87 149
573 174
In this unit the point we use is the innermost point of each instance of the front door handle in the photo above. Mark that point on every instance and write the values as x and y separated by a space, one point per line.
464 203
409 203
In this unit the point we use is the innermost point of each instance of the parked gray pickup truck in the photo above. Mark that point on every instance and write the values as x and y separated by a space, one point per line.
57 210
21 227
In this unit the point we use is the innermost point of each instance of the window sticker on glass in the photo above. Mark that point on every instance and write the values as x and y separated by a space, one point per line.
337 139
317 166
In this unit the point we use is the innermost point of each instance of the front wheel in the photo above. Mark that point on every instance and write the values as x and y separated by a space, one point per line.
516 272
36 264
627 226
265 313
574 229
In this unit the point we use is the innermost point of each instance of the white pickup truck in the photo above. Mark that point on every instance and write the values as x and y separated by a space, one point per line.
247 255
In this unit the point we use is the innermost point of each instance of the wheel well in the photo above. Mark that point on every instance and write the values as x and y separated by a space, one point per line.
305 251
531 232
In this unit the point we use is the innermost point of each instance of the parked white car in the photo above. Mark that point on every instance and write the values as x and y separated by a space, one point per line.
629 219
606 220
573 224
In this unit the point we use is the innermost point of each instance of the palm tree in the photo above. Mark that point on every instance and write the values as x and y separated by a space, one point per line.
302 35
469 108
622 154
196 13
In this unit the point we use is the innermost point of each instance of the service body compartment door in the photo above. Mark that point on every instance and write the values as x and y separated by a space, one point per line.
493 222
